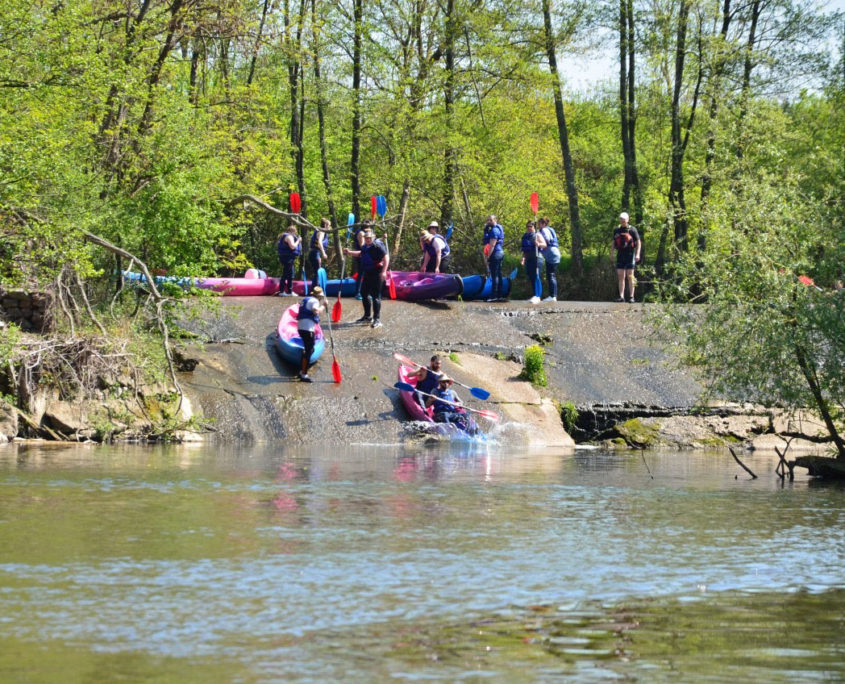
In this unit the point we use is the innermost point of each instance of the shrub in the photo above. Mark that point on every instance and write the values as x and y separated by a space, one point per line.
533 366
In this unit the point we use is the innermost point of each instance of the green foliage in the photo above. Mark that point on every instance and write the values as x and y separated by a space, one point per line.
453 357
533 366
569 415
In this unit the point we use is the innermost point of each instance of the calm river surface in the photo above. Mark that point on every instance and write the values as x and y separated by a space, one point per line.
251 564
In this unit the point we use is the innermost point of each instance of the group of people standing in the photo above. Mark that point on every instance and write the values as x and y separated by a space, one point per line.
540 253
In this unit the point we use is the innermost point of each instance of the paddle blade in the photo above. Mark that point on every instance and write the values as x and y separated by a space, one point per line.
490 415
337 310
538 286
512 274
449 232
305 282
321 279
373 203
336 376
295 202
487 249
479 393
350 220
535 202
404 360
391 287
404 386
381 205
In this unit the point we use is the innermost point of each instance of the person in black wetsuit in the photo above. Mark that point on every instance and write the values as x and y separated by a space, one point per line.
374 261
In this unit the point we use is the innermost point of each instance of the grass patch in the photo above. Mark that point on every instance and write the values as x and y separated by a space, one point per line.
532 369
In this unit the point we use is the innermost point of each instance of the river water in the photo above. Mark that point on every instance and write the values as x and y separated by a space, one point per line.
248 564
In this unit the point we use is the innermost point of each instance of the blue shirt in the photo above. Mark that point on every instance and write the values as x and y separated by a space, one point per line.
497 232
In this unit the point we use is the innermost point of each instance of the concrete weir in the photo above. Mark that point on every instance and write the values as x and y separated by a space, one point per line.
595 353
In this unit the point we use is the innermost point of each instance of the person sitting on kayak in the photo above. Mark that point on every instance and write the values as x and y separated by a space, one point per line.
306 323
447 407
426 377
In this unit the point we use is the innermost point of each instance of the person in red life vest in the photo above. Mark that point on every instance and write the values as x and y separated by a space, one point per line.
374 261
307 319
626 242
289 248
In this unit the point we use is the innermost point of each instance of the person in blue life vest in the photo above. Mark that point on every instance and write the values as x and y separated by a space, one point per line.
289 247
317 248
548 244
374 261
436 251
427 378
307 319
626 242
530 258
494 252
445 411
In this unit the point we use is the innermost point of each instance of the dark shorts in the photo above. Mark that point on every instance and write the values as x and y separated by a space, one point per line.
625 261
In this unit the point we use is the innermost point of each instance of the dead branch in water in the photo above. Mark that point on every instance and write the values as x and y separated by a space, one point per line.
744 467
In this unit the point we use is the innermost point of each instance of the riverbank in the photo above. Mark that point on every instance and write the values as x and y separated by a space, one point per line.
603 360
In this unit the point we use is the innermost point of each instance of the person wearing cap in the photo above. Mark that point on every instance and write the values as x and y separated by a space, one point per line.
436 251
446 403
626 242
374 262
306 323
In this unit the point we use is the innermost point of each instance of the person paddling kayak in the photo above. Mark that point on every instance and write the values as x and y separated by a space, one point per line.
447 412
426 377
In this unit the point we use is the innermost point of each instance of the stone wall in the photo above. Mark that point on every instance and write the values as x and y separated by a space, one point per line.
28 309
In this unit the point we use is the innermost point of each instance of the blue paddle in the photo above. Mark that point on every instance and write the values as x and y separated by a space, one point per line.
407 387
477 392
381 206
449 232
321 279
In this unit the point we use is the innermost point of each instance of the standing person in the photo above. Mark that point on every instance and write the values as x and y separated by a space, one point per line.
358 240
530 258
317 249
374 262
447 412
626 242
494 251
307 319
427 378
436 251
289 248
548 244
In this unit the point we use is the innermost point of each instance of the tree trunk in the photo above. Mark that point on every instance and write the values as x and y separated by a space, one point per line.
294 43
748 67
321 122
822 405
563 135
403 209
449 156
257 43
632 125
354 171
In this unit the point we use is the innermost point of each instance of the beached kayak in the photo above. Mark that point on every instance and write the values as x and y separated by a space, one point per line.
348 284
248 286
481 287
289 343
414 286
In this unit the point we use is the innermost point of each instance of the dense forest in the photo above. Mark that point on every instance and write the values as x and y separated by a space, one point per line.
167 128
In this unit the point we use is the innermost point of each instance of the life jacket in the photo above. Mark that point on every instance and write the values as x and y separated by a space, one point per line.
549 236
285 252
497 232
529 244
623 240
429 382
445 250
305 312
448 395
314 242
370 262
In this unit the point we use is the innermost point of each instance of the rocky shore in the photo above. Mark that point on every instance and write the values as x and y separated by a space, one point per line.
602 359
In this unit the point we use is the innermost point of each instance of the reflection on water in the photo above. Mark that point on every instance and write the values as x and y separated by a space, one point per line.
229 563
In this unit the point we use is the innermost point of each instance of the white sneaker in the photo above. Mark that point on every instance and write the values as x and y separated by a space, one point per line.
534 300
550 299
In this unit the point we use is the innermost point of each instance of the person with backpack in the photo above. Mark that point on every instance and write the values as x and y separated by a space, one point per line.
548 243
375 260
626 242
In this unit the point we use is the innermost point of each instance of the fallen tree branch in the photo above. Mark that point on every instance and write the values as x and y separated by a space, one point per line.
744 467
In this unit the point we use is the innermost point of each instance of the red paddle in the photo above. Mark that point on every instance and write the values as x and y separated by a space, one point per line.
373 205
336 376
295 202
535 203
